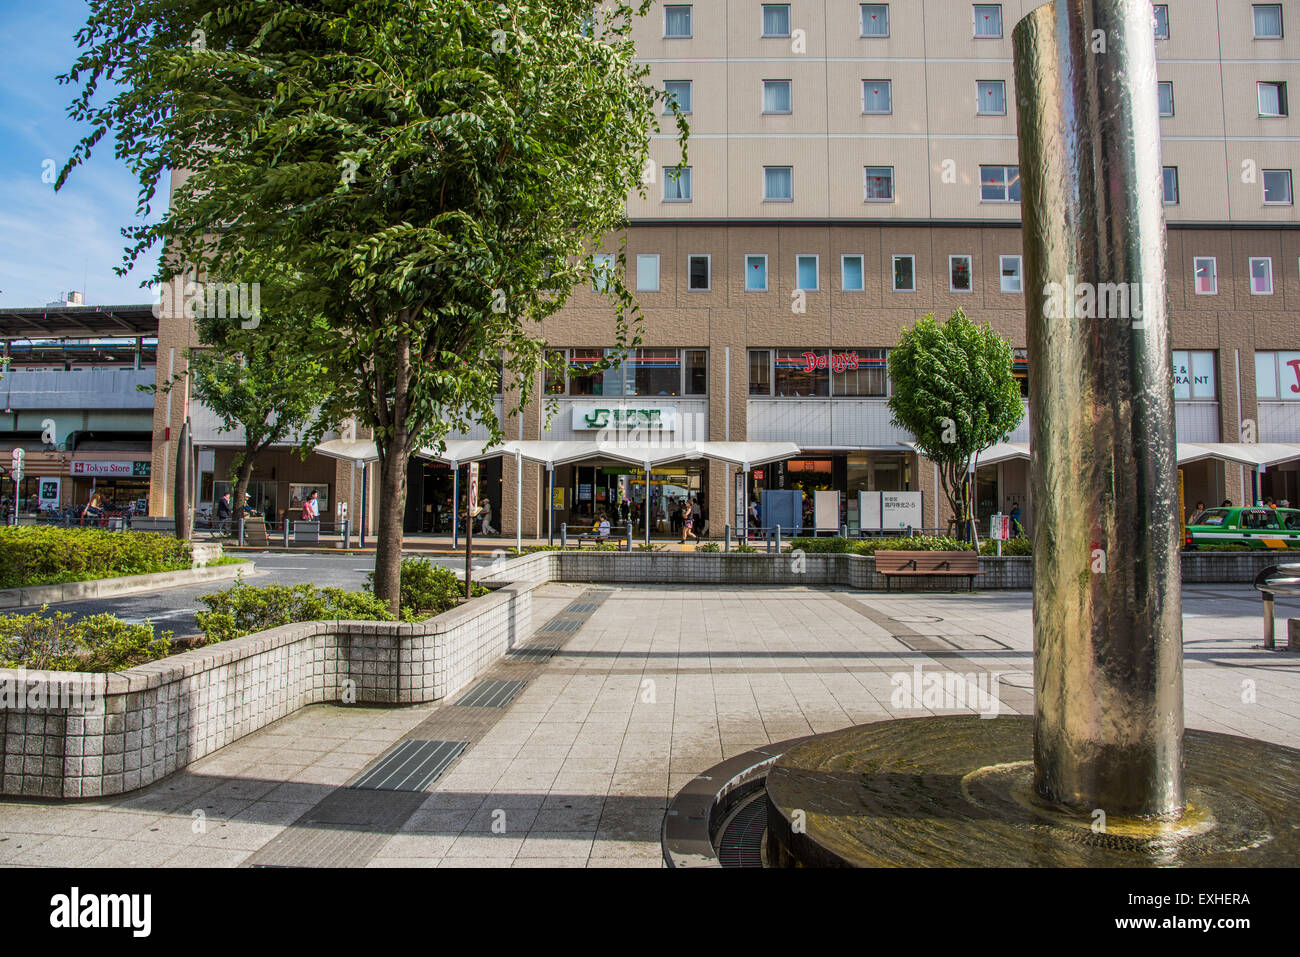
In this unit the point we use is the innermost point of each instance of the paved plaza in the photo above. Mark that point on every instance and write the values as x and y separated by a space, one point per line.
650 687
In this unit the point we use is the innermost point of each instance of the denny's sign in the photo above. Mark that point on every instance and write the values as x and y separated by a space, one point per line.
594 418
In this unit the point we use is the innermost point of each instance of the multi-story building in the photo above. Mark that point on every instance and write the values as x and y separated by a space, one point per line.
70 399
852 167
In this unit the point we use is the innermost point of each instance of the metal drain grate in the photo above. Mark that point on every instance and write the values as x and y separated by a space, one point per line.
411 766
538 652
741 841
928 643
559 626
582 607
490 693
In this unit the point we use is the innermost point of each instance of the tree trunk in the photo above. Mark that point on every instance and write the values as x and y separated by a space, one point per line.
388 547
242 477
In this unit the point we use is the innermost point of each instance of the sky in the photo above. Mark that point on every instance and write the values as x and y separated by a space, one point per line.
51 242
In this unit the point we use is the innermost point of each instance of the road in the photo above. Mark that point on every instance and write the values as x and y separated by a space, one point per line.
173 609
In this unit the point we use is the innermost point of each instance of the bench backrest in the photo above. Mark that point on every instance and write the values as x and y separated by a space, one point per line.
921 563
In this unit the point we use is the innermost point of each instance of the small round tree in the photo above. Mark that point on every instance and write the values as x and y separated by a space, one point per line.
953 389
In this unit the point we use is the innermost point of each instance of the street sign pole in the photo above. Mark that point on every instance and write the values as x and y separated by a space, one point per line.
16 470
471 511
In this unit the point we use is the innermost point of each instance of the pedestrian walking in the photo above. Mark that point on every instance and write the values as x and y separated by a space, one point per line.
485 525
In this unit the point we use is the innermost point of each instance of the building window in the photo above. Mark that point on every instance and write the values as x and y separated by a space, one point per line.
1171 185
679 95
859 373
877 96
1165 90
796 375
1261 276
852 275
1020 369
1160 20
904 273
1277 375
806 273
1268 21
1193 375
991 97
698 268
1277 187
879 184
760 372
677 20
696 376
778 184
1272 98
677 184
875 19
776 19
756 273
776 96
959 278
1000 184
1009 267
1206 272
602 266
647 272
988 20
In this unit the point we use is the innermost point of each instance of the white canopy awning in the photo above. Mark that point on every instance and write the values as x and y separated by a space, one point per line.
356 451
1255 455
747 453
1004 452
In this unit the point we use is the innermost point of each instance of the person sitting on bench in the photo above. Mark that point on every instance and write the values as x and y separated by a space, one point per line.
602 530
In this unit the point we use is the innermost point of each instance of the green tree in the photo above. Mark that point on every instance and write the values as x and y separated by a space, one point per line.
953 389
440 170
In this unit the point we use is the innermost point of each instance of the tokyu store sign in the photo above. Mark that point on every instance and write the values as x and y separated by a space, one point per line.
111 469
657 418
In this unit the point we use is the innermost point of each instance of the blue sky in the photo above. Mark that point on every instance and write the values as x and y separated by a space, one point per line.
54 242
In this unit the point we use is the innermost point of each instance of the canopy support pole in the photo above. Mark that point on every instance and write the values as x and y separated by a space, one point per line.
647 504
550 503
519 499
455 503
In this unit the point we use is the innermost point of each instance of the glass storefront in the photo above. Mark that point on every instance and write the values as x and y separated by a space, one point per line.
843 472
586 493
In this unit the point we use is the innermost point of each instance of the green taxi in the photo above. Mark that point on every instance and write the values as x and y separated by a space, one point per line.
1260 528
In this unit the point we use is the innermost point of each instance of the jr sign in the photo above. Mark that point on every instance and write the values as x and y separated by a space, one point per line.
594 418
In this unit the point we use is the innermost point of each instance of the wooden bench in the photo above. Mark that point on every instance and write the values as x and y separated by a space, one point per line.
891 563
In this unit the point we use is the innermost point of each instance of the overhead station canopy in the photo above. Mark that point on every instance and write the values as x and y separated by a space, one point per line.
79 322
1254 455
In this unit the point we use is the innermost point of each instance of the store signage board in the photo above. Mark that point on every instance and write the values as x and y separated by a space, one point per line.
16 464
826 511
587 418
869 511
901 510
1000 527
49 492
474 506
111 469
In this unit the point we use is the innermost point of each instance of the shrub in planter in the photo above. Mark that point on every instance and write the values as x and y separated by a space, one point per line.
1012 546
920 543
708 547
242 609
99 643
45 555
427 589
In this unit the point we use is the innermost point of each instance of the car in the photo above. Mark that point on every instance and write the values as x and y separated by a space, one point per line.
1257 528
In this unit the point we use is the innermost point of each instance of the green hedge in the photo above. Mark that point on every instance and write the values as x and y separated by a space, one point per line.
44 555
428 589
243 609
1012 546
99 643
869 546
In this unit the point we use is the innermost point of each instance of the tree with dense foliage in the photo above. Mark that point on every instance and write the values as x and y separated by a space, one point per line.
954 390
438 172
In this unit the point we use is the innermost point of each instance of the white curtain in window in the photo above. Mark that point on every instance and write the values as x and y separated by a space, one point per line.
776 20
677 182
1270 99
1268 20
880 182
877 96
677 21
778 182
993 96
875 19
776 96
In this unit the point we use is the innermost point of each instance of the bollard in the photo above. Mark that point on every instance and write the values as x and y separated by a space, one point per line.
240 535
778 539
1269 641
726 538
347 534
629 537
286 531
564 535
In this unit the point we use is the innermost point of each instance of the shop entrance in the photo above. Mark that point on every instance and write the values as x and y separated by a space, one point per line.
617 492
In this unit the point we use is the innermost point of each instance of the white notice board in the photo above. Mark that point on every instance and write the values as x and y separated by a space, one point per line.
869 511
826 511
901 510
